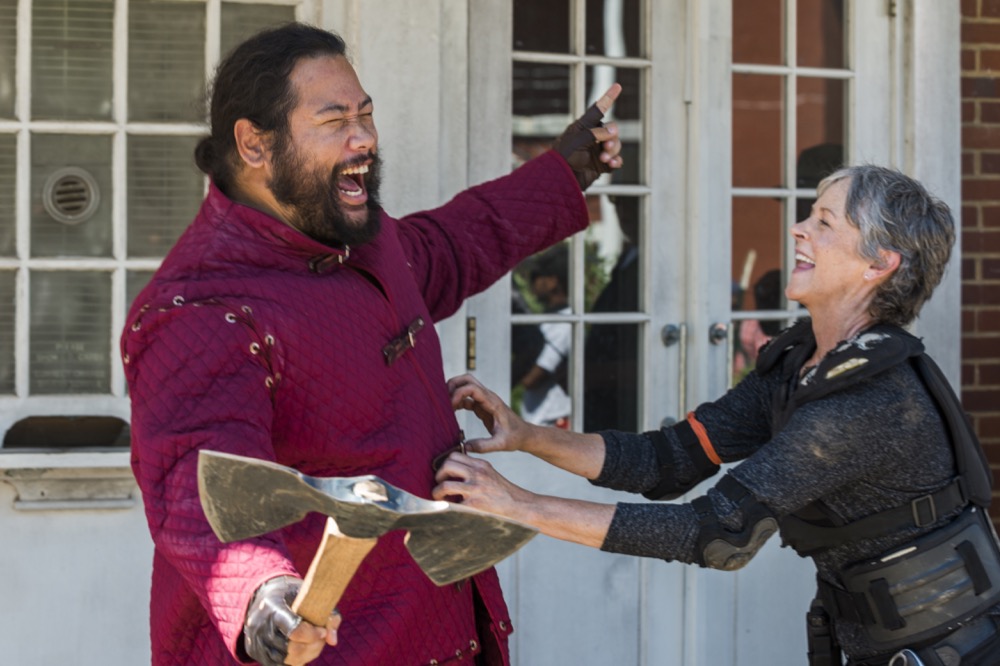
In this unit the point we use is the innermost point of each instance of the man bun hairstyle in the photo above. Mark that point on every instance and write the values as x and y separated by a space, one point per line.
252 82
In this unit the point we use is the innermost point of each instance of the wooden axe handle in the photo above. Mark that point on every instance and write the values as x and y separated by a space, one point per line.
336 560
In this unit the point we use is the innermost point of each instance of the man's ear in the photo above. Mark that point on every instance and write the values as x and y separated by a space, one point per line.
251 143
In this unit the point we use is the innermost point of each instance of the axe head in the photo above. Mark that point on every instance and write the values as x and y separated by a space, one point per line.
246 497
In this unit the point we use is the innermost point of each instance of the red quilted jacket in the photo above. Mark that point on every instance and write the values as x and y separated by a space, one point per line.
256 340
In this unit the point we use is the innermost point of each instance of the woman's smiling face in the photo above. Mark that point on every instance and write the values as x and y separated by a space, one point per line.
828 263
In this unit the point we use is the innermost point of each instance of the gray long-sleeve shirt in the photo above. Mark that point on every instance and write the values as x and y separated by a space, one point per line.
874 445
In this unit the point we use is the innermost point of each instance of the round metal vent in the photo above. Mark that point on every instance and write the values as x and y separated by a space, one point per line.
71 196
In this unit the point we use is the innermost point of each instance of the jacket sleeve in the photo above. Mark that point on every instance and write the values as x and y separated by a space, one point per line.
196 383
466 245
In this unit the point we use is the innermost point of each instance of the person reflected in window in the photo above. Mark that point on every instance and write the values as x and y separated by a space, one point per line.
545 400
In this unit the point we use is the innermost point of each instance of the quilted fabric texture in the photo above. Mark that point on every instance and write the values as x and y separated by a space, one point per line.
256 340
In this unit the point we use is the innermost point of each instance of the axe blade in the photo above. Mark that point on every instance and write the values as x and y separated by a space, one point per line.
246 497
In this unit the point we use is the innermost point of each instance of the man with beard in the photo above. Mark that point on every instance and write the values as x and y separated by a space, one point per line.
294 322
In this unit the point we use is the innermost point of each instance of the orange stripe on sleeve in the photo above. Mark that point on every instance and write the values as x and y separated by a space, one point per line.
702 434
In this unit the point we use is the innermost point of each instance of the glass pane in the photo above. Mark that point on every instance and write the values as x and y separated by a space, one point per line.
8 53
627 112
820 33
71 59
166 66
820 131
612 254
7 309
541 107
610 377
757 284
8 177
240 21
758 112
540 370
70 333
541 283
71 192
541 26
165 190
135 281
758 32
758 245
614 28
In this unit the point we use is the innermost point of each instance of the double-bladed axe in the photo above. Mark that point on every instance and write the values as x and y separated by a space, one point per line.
246 497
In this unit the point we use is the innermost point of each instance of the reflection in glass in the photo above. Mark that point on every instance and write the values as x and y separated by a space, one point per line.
757 32
541 26
540 353
135 281
813 165
610 377
758 245
820 33
758 113
614 28
164 192
627 112
612 265
820 132
8 177
166 63
51 154
240 21
8 306
541 107
70 322
71 59
8 55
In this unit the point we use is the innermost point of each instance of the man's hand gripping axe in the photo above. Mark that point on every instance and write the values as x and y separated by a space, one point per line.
246 497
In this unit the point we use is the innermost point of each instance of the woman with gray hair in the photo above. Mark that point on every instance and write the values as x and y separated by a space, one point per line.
849 442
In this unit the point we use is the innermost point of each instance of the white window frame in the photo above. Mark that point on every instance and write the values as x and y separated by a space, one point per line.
21 404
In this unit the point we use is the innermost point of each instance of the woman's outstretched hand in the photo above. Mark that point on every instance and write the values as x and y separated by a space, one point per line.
508 431
474 483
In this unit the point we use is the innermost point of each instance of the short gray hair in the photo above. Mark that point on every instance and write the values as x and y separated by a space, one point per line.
895 212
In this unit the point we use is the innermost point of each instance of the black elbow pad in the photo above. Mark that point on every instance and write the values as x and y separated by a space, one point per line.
723 548
670 487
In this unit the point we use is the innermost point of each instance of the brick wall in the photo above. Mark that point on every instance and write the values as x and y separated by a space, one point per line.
980 217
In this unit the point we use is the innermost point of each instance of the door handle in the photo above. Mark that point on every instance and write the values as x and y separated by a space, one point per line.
676 334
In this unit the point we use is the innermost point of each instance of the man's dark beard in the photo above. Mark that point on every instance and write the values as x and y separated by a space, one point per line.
315 200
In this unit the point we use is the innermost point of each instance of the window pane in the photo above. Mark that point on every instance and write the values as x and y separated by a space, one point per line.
820 33
610 378
541 107
166 67
70 195
240 21
8 172
540 370
758 113
541 26
757 282
8 52
70 333
627 112
613 251
820 131
7 309
71 59
614 28
165 190
757 32
135 281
